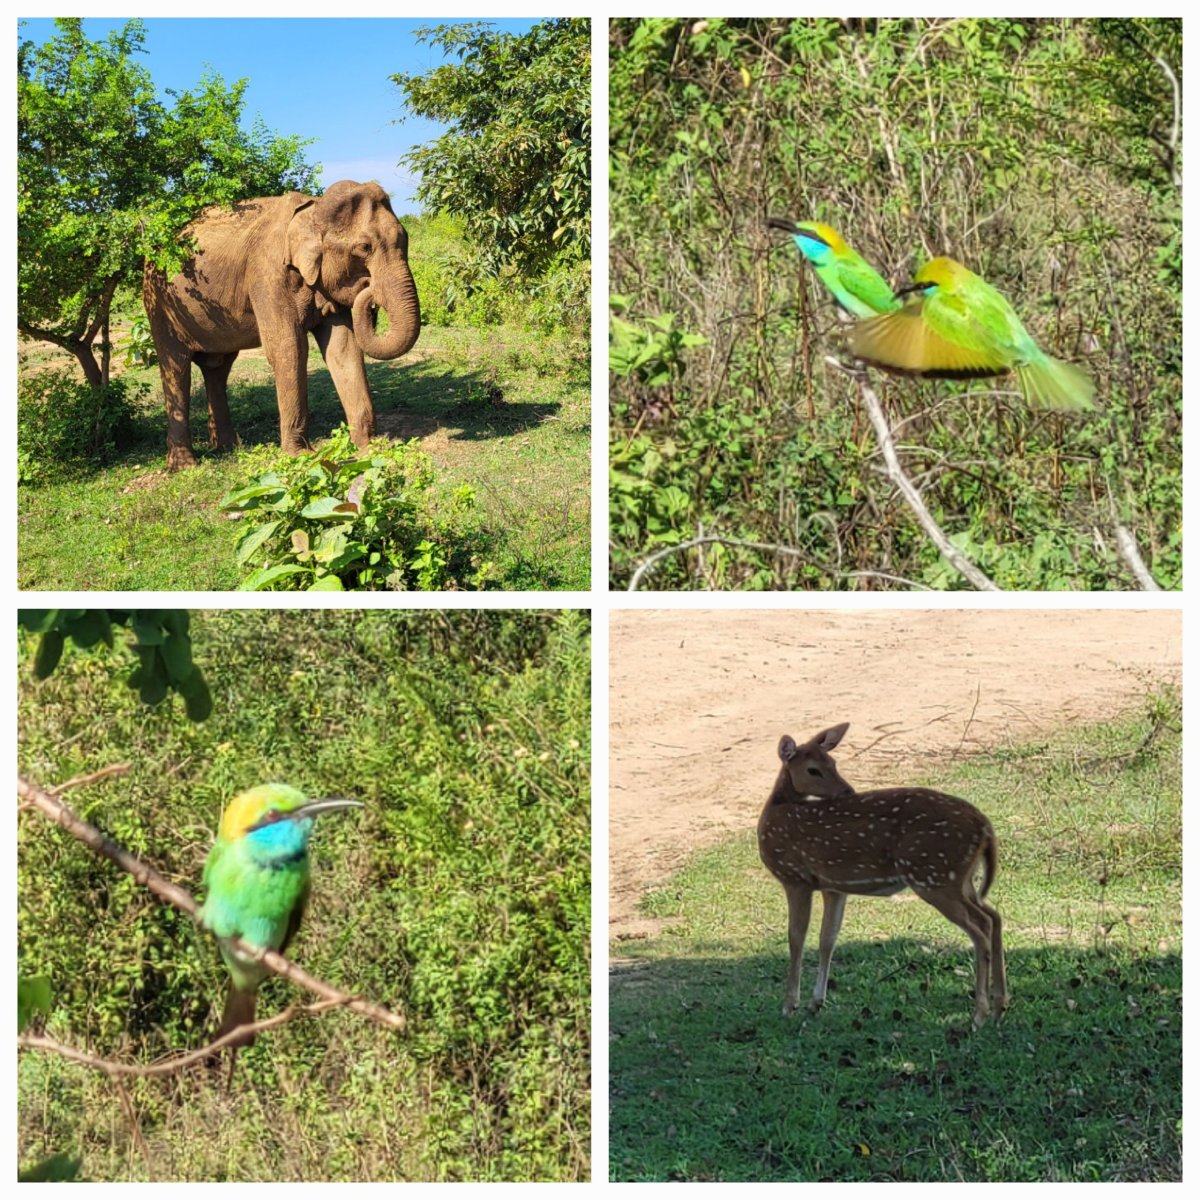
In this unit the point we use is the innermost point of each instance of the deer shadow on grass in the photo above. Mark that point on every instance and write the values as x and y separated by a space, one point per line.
1081 1080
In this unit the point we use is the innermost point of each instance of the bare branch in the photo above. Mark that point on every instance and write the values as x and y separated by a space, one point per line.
95 777
963 565
1173 140
173 1063
1127 547
708 539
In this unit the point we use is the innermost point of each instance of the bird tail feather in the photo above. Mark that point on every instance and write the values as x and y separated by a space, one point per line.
1051 383
239 1010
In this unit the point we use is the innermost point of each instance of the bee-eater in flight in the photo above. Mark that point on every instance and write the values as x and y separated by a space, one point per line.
258 879
857 287
962 328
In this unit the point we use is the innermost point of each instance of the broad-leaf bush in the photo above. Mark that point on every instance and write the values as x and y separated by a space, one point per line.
334 521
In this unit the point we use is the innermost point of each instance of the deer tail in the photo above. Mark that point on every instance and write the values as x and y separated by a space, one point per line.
990 862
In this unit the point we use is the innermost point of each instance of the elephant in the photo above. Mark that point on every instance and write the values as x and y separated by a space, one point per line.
267 273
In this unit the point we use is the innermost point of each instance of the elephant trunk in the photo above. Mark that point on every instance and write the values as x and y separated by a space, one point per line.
395 292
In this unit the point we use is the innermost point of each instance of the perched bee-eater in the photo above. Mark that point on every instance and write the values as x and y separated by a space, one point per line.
257 878
855 284
962 328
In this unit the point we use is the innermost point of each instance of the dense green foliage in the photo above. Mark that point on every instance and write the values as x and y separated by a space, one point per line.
460 897
515 165
1040 153
334 520
162 646
108 174
65 426
1081 1081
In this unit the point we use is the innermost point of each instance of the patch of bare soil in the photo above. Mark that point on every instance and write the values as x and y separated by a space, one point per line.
144 483
698 701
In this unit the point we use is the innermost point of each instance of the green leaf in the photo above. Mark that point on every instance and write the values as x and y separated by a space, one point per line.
327 583
260 580
177 656
253 539
49 651
60 1168
324 508
33 996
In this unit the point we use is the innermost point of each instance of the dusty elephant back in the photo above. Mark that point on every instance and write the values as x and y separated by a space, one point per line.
205 306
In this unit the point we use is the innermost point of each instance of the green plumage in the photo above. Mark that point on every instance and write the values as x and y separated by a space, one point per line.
856 286
962 328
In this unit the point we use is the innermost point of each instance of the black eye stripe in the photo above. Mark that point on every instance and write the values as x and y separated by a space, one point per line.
269 818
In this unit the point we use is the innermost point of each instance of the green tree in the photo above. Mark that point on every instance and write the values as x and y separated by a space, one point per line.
515 163
108 175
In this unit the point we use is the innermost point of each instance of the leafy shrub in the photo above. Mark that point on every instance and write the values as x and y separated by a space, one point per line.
63 423
332 521
138 343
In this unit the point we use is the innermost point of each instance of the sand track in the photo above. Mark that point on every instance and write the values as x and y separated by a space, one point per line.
699 699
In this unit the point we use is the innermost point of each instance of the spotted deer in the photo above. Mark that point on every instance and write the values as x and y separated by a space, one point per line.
817 833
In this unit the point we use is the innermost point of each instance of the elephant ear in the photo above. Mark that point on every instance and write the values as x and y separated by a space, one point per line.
304 242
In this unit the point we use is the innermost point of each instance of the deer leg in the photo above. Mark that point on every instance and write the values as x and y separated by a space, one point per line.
799 910
831 925
976 922
999 974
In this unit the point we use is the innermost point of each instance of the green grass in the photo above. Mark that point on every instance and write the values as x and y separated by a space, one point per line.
459 896
504 410
1082 1079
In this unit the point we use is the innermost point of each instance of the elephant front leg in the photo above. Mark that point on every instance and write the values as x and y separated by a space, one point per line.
287 352
215 369
176 372
340 350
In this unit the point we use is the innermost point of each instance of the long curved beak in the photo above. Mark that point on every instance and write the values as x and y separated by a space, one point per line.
314 808
781 223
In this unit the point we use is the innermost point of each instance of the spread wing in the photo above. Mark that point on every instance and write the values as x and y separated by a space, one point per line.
905 341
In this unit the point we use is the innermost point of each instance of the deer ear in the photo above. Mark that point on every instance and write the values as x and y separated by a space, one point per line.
787 748
830 737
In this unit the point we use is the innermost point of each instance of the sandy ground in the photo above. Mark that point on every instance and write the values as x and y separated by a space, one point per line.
698 701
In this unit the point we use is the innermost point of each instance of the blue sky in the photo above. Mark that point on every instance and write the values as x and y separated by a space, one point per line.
326 79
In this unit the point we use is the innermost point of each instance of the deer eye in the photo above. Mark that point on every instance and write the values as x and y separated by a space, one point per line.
814 771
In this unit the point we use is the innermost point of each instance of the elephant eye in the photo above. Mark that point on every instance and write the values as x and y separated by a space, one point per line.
361 249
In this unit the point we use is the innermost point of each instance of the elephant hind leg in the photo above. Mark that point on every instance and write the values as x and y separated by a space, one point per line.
215 368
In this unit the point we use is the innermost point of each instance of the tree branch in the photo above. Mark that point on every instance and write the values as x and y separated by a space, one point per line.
1127 547
963 565
174 1063
1172 143
708 539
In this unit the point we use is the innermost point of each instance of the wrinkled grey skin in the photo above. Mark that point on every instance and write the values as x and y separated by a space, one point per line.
267 274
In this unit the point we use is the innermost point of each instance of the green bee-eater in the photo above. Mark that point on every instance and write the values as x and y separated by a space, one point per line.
962 328
257 878
855 284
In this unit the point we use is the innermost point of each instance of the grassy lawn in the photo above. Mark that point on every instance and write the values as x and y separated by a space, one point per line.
503 410
1081 1081
459 896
